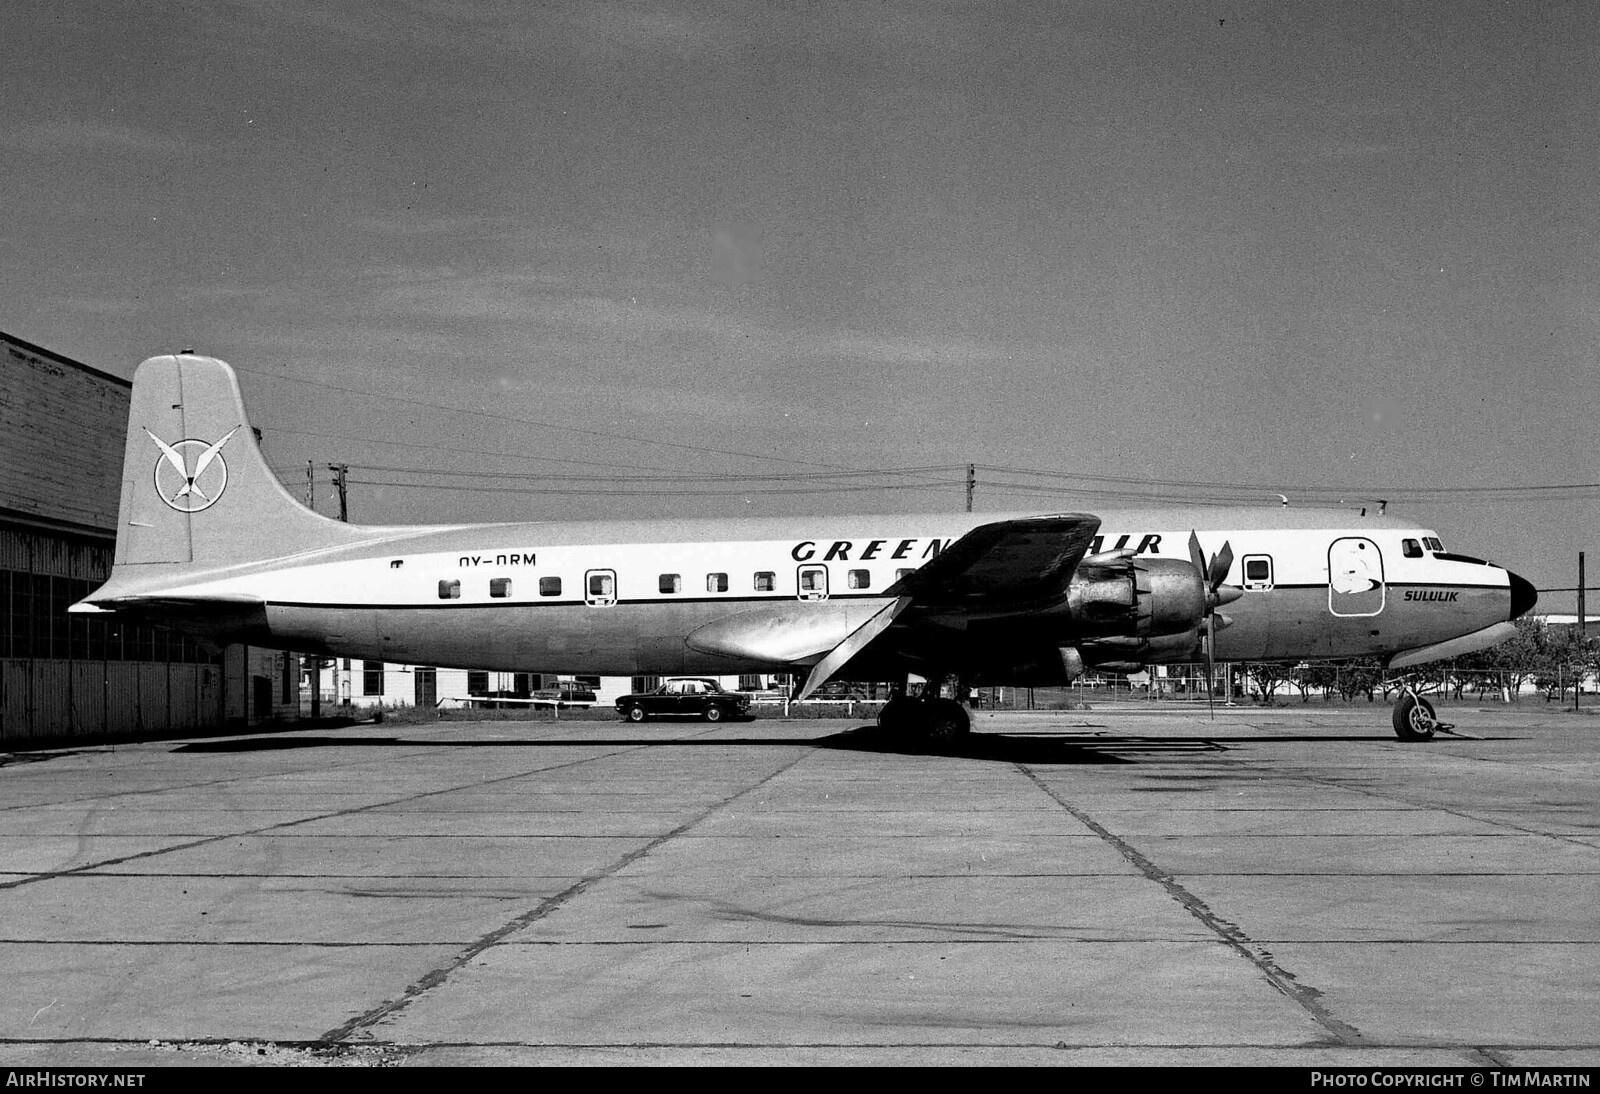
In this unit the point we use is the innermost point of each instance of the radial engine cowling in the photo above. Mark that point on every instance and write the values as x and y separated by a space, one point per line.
1136 596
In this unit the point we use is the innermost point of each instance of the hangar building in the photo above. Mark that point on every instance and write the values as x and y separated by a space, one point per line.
71 677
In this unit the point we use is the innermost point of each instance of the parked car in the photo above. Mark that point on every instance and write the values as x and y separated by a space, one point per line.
566 693
690 697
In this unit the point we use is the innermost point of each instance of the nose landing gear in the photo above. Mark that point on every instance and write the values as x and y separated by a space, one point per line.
1414 719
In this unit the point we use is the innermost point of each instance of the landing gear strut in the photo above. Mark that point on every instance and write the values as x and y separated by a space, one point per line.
1414 719
926 717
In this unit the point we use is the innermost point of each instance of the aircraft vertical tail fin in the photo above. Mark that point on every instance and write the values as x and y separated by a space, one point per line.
197 493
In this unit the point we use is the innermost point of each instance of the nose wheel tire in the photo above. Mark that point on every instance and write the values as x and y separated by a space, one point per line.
1414 719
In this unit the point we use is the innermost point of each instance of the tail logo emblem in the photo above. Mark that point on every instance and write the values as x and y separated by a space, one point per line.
187 487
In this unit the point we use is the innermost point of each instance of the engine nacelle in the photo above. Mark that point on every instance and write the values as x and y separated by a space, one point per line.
1160 649
1136 597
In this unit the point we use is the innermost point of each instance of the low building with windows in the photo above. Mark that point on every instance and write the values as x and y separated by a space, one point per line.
357 685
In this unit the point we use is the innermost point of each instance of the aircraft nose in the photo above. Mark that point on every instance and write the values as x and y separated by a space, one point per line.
1523 595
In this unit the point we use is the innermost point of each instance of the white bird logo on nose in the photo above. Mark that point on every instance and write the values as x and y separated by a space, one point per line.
185 490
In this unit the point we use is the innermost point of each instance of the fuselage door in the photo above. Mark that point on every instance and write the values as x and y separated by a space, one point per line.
1355 577
600 587
813 582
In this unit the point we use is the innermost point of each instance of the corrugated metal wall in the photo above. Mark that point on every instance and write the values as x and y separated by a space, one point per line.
64 676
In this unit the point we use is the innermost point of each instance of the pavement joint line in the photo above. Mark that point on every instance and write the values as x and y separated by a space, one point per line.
1336 784
50 875
545 907
1309 999
165 753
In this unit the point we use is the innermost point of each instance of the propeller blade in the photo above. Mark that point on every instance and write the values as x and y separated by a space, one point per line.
1197 558
1221 563
1211 667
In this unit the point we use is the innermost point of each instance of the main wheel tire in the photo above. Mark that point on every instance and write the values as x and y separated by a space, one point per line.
713 713
636 713
896 714
1413 719
947 722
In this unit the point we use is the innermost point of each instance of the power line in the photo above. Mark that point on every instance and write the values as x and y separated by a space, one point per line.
797 476
591 492
631 438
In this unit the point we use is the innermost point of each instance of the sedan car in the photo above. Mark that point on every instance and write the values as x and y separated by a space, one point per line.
685 698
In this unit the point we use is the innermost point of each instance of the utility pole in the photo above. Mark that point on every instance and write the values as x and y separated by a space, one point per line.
1583 639
311 488
972 482
340 470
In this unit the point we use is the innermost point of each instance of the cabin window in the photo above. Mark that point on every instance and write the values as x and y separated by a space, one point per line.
1411 548
671 583
858 579
766 581
549 586
500 587
449 590
716 583
1258 571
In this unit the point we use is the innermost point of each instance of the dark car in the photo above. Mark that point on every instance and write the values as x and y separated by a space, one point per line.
686 698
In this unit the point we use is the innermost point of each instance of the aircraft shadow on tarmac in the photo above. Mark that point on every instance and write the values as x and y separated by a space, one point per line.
1031 748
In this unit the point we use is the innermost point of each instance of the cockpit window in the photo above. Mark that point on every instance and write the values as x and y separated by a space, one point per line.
1433 543
1411 548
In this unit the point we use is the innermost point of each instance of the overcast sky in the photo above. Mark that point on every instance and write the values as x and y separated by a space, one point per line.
1353 246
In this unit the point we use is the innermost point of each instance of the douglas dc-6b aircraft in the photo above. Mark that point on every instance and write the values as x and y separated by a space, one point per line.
208 541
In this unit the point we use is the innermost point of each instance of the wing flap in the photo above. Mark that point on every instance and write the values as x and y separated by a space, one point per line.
841 654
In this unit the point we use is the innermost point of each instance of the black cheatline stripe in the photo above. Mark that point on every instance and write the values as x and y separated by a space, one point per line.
736 601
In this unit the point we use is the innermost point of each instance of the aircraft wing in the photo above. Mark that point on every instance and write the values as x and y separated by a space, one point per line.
1008 567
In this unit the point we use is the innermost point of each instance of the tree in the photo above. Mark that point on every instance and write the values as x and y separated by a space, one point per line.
1266 676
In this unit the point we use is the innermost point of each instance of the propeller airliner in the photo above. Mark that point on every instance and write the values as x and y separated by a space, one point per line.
209 542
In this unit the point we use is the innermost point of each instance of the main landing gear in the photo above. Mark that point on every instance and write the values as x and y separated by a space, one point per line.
926 717
1414 719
